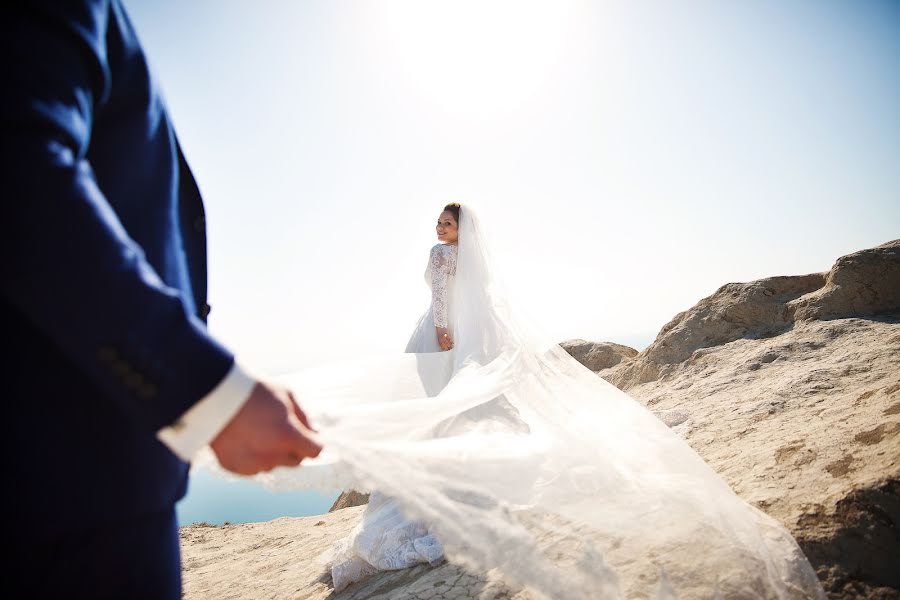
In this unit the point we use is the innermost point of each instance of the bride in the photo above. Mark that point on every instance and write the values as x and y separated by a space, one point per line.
495 449
385 539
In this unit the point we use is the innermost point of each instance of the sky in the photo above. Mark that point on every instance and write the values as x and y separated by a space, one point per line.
629 158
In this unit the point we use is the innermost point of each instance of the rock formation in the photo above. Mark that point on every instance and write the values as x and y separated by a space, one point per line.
349 499
790 388
597 356
861 284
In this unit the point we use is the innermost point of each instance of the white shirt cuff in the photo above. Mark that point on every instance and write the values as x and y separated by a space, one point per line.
201 423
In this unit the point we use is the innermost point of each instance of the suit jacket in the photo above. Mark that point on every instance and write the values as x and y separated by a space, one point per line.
103 271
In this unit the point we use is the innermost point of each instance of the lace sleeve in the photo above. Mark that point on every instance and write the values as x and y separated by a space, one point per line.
441 268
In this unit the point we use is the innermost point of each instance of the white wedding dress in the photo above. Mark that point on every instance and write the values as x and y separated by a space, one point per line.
385 539
507 455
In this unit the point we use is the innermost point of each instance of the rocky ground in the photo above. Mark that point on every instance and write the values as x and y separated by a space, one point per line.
788 386
806 426
279 559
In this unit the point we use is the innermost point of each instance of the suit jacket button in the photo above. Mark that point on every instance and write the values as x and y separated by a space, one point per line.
121 368
107 354
134 380
205 310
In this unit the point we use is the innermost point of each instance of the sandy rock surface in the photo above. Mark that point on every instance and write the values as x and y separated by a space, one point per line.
806 426
279 559
275 559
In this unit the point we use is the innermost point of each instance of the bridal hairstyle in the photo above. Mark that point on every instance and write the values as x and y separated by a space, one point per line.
520 459
454 209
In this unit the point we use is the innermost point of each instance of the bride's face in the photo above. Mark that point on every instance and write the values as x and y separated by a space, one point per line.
447 228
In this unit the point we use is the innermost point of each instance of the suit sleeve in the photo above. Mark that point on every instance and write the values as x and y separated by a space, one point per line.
67 262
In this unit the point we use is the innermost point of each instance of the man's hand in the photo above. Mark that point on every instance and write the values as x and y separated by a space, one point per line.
268 431
445 340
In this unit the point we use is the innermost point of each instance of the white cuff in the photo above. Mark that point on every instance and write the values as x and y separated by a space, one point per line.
201 423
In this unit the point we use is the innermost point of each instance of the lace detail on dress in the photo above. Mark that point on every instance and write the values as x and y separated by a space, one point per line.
385 540
347 567
442 267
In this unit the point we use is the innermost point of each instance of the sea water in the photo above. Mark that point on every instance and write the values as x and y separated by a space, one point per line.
215 500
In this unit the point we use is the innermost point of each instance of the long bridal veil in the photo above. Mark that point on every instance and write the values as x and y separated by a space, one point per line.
522 460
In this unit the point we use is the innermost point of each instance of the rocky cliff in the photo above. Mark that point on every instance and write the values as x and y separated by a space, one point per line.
790 388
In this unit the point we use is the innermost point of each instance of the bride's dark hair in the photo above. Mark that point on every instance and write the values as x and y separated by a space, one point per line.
454 208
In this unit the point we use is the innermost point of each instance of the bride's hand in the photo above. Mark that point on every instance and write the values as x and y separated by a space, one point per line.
445 340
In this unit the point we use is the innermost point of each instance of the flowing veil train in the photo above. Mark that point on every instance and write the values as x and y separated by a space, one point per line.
519 458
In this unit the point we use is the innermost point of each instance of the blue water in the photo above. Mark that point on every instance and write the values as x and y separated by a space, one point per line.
214 500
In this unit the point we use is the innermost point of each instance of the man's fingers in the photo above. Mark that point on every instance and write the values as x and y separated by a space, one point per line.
275 458
242 465
252 462
269 431
293 460
308 445
267 462
300 441
298 412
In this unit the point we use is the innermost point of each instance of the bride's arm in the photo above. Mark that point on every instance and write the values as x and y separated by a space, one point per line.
440 271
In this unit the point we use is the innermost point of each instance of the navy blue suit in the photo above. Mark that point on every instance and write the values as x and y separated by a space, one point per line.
103 306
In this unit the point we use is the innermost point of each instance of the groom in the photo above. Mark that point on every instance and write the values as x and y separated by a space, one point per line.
113 380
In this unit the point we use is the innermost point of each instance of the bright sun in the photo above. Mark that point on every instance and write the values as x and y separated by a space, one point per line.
476 59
